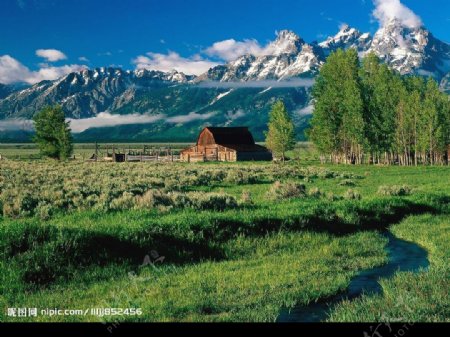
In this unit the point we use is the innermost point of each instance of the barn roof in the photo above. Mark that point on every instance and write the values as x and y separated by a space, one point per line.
231 135
246 148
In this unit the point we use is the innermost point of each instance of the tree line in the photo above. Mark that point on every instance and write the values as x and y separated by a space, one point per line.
364 112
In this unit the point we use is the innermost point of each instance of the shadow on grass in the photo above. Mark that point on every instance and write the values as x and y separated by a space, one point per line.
48 253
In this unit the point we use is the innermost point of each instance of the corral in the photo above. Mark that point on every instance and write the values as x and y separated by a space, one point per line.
122 154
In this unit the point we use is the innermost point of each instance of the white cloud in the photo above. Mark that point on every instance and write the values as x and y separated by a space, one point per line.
12 71
105 119
386 10
83 59
192 116
16 124
307 110
194 65
52 73
230 49
51 55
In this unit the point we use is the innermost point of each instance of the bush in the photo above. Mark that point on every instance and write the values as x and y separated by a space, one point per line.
394 190
315 192
333 197
44 211
212 201
347 182
126 201
153 198
352 195
279 191
240 177
246 198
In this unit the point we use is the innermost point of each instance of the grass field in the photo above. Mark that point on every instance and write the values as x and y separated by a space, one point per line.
217 241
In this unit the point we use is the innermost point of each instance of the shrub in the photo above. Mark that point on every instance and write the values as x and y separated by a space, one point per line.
246 198
352 195
153 198
126 201
333 197
212 201
279 191
240 177
347 182
44 211
394 190
315 192
173 184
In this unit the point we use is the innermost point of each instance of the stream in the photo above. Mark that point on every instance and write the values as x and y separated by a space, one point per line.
403 256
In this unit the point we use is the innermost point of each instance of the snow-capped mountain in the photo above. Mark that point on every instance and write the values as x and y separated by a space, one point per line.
87 92
409 50
287 56
347 37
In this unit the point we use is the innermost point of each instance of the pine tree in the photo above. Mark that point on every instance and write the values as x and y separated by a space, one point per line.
281 135
53 135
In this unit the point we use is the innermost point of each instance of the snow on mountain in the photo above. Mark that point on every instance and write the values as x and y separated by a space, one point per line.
287 56
347 37
287 42
89 92
409 50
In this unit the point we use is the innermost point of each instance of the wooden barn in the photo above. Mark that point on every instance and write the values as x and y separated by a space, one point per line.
225 144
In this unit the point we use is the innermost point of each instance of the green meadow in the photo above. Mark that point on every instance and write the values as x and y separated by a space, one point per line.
217 241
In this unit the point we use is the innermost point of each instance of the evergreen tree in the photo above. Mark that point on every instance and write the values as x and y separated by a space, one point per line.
281 135
53 135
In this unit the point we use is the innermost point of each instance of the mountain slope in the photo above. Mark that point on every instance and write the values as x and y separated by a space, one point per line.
88 92
347 37
287 56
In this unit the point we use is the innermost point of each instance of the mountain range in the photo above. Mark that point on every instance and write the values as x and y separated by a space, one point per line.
237 93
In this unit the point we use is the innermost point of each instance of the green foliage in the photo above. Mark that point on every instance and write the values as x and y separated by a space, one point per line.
369 113
53 135
337 122
281 135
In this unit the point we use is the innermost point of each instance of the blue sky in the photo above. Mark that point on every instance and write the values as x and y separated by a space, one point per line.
47 38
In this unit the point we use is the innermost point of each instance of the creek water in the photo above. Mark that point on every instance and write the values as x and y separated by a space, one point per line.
402 256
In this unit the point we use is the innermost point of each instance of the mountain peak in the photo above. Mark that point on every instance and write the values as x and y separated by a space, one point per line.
287 42
347 37
410 49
